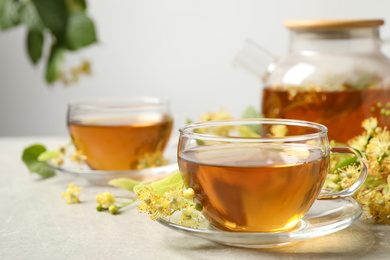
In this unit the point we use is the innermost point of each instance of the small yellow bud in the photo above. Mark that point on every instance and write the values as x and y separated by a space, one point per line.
113 209
337 187
199 207
334 178
189 193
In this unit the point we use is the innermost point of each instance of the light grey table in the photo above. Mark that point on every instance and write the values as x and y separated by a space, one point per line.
36 223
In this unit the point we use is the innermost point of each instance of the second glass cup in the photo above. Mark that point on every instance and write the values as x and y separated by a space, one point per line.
264 176
120 133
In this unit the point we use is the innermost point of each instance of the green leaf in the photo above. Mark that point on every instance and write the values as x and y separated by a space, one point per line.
80 31
30 158
30 17
48 155
346 162
75 5
9 13
160 187
251 112
35 45
54 64
124 183
54 15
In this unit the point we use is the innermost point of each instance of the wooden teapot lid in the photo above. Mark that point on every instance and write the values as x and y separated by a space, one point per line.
333 24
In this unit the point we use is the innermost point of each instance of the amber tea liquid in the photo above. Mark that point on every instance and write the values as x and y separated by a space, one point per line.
119 142
341 111
255 188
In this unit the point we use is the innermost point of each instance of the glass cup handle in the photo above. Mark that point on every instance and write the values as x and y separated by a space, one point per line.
358 183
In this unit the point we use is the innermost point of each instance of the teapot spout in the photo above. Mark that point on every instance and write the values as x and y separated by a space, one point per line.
255 59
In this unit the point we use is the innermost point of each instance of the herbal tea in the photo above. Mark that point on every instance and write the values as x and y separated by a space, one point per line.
121 142
341 111
255 187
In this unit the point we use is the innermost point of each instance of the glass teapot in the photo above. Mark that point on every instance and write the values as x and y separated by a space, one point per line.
334 74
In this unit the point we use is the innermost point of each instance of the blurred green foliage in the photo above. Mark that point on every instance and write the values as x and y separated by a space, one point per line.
63 23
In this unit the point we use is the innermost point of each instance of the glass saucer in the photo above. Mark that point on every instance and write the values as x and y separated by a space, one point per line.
324 217
102 177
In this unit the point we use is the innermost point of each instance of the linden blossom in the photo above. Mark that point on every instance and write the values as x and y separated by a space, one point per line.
72 194
374 196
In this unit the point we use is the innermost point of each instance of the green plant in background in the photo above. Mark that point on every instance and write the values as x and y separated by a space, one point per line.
59 25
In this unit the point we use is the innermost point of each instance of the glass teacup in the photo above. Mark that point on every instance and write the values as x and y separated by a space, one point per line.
252 176
120 133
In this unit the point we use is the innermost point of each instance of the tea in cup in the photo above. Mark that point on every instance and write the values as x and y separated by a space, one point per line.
120 133
262 183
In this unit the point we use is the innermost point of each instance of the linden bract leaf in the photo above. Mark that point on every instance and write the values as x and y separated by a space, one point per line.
173 181
124 183
160 187
45 156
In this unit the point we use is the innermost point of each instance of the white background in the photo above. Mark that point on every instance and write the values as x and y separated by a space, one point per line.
181 50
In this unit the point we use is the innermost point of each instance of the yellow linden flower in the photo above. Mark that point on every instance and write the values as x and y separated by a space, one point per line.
278 130
217 130
386 166
376 205
63 148
379 145
173 199
359 142
77 157
348 175
159 212
190 217
222 115
370 124
105 200
57 161
207 117
154 204
148 199
72 194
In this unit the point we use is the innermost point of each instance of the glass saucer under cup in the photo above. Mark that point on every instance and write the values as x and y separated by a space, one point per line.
323 218
103 177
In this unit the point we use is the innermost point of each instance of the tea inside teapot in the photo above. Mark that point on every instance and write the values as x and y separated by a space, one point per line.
333 74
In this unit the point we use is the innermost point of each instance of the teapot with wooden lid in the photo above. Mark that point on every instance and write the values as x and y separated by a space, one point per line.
334 73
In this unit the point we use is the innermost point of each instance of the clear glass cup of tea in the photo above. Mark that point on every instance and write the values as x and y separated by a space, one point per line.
263 176
120 133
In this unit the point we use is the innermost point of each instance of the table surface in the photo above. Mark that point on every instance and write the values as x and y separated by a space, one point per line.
36 223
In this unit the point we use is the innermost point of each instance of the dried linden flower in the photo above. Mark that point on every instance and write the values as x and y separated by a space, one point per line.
278 130
77 157
370 124
374 195
72 194
174 200
105 200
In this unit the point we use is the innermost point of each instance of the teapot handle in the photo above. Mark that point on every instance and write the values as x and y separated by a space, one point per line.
255 59
386 41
